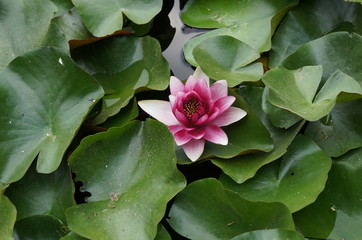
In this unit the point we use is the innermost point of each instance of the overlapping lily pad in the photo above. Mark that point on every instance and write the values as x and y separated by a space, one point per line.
295 90
45 98
26 25
310 20
204 210
124 65
105 17
8 217
225 57
337 213
296 180
275 234
252 22
131 174
243 167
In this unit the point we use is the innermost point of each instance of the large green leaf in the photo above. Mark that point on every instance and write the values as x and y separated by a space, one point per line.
252 22
131 174
43 194
295 90
40 227
248 134
63 6
340 131
270 234
225 57
296 180
45 98
337 213
7 219
26 25
162 233
310 20
243 167
333 52
105 17
124 65
204 210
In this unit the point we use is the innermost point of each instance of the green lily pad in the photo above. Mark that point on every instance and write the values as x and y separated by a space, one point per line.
295 90
204 210
340 131
131 174
241 168
8 217
43 194
225 57
310 20
63 6
337 213
123 66
105 17
40 227
333 52
248 134
275 234
252 22
162 233
72 236
26 25
45 98
296 180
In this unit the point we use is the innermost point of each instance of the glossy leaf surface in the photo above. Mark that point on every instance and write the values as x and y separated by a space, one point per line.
123 65
45 98
131 174
204 210
337 213
243 167
252 22
33 28
8 217
296 180
105 17
270 234
310 20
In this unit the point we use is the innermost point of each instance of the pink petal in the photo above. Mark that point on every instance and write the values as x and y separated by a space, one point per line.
203 90
181 117
194 148
224 103
219 90
172 101
202 120
197 133
231 115
175 128
160 110
190 84
198 74
176 86
182 137
216 135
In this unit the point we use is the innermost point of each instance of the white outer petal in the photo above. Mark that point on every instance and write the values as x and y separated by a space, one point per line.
198 74
194 148
233 114
160 110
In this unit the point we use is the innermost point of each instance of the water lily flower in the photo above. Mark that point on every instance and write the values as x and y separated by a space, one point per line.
196 112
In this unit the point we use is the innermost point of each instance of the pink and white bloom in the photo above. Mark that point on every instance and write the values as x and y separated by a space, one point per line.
196 112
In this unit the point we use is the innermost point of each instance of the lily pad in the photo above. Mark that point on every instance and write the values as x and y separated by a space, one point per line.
248 134
123 66
72 236
63 6
43 194
45 98
252 22
26 25
337 213
225 57
295 90
40 227
8 217
340 131
131 174
333 52
204 210
296 180
241 168
105 17
162 233
275 234
310 20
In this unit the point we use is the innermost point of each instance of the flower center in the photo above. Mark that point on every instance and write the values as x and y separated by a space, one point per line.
191 107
